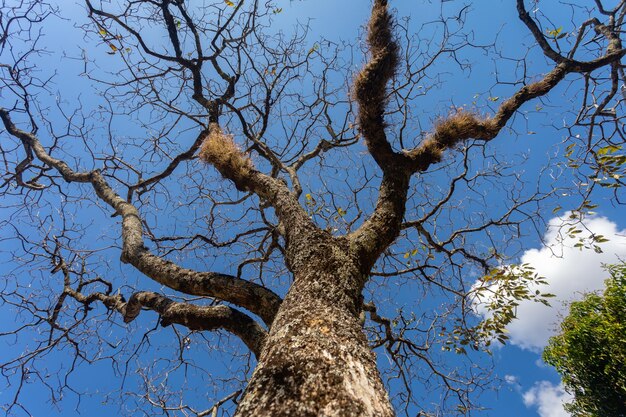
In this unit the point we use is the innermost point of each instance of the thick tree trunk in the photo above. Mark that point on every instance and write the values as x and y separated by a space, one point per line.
316 360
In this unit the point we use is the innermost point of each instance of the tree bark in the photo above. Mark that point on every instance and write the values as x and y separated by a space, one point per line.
316 360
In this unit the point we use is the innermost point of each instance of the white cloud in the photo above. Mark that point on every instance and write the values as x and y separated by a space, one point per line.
569 272
548 399
511 380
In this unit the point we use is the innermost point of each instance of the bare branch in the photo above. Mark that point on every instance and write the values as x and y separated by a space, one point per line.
198 317
253 297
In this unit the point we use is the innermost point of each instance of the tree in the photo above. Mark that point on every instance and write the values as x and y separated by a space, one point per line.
589 351
218 148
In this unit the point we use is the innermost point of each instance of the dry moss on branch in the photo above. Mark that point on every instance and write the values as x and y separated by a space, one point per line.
457 127
371 82
221 151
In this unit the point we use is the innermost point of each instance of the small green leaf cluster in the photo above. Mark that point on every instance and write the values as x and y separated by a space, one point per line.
611 167
501 292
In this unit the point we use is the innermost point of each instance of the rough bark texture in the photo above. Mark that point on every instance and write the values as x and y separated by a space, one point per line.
316 360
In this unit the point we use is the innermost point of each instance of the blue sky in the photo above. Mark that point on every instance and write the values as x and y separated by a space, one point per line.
529 389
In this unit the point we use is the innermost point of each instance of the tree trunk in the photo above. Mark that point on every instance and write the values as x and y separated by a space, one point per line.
316 360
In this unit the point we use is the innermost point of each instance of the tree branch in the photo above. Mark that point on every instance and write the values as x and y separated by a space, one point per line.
464 125
220 150
383 226
614 50
191 316
370 86
253 297
198 317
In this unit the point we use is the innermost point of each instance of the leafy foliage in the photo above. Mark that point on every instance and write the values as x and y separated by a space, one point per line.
590 351
501 292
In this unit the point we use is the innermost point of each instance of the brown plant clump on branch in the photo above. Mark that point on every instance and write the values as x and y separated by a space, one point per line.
220 150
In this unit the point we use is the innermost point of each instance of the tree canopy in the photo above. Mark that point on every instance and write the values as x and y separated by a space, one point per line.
219 206
590 350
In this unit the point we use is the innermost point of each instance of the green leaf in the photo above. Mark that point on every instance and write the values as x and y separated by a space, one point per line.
555 32
608 149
